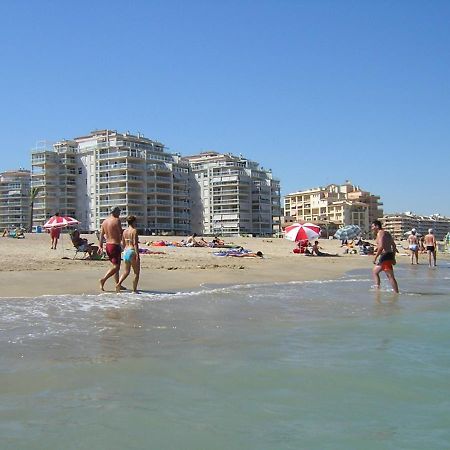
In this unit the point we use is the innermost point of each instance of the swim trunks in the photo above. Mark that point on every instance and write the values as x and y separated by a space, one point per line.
128 254
114 251
430 248
386 261
414 247
55 233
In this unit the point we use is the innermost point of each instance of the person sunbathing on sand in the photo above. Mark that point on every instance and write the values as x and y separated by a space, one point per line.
315 251
247 254
216 242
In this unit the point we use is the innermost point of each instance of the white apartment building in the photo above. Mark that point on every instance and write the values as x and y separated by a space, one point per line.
334 205
15 199
87 176
399 224
232 195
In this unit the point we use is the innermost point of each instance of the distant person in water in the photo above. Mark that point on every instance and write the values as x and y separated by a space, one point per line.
430 245
384 259
111 231
413 245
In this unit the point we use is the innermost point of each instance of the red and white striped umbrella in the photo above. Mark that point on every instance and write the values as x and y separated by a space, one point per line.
60 222
302 232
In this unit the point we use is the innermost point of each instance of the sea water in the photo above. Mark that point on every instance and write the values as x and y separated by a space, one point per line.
311 365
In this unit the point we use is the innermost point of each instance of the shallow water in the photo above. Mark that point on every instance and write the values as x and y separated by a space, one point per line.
315 365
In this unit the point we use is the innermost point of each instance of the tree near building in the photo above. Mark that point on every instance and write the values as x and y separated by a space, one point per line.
34 191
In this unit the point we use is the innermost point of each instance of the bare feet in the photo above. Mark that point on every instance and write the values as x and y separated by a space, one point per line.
102 284
118 288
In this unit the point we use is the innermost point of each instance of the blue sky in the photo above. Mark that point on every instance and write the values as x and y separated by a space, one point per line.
318 91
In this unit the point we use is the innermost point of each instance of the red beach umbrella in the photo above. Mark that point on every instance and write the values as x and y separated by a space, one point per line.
60 222
302 232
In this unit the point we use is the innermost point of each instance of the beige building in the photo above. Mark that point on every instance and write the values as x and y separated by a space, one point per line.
89 175
334 206
15 199
400 224
54 174
232 195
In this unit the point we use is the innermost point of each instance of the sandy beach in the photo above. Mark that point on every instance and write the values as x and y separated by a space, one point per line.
30 268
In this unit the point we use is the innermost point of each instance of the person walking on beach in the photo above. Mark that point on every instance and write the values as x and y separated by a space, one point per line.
413 242
131 259
55 233
430 245
384 259
111 230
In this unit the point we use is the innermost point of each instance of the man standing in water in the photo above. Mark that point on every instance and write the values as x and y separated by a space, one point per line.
384 259
430 245
111 231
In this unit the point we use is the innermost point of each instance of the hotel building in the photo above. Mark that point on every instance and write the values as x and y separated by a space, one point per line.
334 205
400 224
15 199
232 195
89 175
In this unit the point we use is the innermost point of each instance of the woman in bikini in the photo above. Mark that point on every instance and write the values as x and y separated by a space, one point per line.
130 245
413 242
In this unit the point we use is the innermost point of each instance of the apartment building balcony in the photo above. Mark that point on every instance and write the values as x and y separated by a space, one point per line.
9 202
120 201
127 211
120 189
121 166
181 183
163 226
183 204
158 190
158 167
69 205
67 195
225 202
182 227
180 215
40 217
69 161
180 194
221 216
225 210
66 171
37 181
42 160
120 154
162 179
121 179
48 181
7 211
162 202
224 192
158 213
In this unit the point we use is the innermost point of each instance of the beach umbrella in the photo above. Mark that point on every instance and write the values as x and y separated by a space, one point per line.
302 232
60 222
348 232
